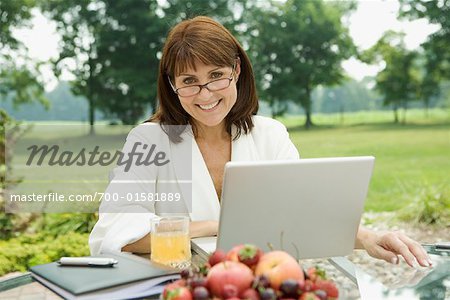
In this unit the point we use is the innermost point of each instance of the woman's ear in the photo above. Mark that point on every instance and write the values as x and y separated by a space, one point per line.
237 69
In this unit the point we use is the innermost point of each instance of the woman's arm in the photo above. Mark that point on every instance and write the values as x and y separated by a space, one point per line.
196 229
387 245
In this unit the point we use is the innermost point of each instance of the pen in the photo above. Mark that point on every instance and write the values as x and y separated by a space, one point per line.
87 261
440 246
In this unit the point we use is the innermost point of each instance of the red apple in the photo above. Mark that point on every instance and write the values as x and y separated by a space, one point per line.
279 266
229 273
250 294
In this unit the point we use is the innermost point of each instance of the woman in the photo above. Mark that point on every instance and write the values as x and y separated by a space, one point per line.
206 81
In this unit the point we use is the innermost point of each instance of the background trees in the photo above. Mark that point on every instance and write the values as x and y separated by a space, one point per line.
398 82
112 48
436 54
297 46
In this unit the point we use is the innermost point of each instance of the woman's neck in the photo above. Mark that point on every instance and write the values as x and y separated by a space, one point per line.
211 134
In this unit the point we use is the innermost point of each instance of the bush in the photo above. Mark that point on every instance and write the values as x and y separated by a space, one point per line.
431 206
21 253
57 224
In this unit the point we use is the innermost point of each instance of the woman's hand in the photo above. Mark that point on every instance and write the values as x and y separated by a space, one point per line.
388 245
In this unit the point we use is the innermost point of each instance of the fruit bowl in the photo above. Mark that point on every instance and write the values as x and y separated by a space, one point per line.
245 272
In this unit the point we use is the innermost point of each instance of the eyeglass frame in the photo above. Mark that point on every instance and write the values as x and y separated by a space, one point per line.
202 86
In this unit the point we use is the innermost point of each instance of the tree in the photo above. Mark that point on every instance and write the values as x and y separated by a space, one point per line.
436 47
19 75
19 81
78 23
438 44
429 86
117 45
398 81
297 46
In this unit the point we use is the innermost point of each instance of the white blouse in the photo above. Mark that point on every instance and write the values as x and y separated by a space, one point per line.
123 222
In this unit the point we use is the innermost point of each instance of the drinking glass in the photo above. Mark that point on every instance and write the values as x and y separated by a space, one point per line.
170 242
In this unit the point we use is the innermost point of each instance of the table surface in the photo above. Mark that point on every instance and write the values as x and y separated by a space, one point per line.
432 284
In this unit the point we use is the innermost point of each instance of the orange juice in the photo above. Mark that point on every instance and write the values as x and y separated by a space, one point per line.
171 248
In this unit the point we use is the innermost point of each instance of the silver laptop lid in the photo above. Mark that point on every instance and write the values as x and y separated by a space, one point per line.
308 207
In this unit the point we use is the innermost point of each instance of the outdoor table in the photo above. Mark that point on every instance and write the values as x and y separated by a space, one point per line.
436 283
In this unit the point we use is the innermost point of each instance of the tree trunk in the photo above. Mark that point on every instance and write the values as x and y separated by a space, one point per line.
91 115
91 94
395 114
307 107
405 109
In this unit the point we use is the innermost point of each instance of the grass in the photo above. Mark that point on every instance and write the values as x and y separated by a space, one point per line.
408 157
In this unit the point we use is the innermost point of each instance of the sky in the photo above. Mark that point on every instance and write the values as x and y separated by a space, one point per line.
367 24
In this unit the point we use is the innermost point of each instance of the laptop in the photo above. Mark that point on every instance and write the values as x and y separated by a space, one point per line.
310 208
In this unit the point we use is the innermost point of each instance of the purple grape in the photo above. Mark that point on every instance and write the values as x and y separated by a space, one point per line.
186 273
268 294
200 293
321 294
289 288
261 282
196 281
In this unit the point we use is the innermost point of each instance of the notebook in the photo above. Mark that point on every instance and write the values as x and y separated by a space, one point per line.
131 277
310 208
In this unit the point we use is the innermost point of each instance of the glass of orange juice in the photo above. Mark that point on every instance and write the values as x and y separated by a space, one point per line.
170 242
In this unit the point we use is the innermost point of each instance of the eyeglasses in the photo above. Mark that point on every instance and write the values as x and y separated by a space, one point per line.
212 86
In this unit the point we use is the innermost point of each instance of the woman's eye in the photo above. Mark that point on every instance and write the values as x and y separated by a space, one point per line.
216 75
189 81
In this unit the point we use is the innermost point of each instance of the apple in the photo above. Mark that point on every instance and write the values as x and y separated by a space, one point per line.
279 266
226 274
250 294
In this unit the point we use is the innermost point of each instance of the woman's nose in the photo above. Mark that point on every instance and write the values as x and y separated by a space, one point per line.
204 94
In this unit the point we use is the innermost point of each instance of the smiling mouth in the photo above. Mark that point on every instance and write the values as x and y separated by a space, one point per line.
209 106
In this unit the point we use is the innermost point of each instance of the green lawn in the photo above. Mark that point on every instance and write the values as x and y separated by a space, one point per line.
408 157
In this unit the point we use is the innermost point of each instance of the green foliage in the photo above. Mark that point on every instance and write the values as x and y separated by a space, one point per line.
56 224
431 206
297 46
7 220
13 14
19 80
438 43
23 252
398 82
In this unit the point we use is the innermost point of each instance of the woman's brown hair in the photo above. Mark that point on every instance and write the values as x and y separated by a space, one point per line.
203 39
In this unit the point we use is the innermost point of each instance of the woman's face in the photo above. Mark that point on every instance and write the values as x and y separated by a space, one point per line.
208 108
